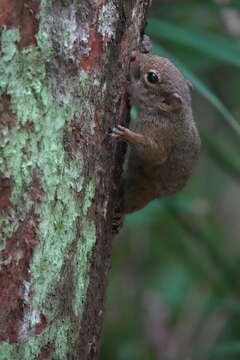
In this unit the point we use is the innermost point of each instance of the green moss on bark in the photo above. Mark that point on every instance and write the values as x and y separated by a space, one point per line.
35 146
81 266
7 351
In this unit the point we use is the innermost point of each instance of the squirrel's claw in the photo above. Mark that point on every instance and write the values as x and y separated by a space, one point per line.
118 132
124 134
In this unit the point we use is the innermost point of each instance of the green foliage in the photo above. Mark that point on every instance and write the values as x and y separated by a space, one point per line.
219 47
174 291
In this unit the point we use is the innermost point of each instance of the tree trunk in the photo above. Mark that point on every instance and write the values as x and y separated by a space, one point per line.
63 84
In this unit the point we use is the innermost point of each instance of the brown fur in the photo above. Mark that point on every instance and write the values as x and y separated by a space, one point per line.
163 140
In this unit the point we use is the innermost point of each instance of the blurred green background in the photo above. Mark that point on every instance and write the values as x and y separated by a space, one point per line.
174 286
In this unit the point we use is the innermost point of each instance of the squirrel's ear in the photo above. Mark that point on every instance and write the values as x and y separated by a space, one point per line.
171 102
190 85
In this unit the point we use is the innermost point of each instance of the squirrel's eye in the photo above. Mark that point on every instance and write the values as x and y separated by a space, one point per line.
152 77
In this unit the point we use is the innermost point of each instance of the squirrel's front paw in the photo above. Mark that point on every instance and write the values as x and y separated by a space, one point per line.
121 133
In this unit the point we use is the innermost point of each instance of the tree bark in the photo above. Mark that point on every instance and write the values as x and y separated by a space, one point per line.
63 83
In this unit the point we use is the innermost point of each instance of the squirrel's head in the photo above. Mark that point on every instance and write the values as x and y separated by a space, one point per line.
156 84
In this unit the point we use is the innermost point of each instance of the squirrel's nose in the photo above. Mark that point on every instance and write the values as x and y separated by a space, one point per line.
133 55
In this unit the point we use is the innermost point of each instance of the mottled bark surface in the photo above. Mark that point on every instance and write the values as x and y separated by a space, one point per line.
63 84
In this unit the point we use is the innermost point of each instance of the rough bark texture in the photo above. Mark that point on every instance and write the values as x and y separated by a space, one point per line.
63 84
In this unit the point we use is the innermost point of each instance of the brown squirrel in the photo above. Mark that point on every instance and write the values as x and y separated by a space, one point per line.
163 140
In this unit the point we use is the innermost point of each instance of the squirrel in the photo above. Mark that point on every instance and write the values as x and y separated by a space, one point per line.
163 141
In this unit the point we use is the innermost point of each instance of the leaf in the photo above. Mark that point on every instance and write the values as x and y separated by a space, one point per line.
205 237
201 88
217 46
224 350
190 5
226 160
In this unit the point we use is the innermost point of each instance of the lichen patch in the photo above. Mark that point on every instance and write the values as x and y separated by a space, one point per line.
107 20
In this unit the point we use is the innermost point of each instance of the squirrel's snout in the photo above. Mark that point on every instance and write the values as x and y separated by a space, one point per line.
134 55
